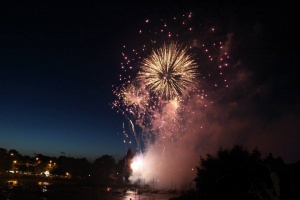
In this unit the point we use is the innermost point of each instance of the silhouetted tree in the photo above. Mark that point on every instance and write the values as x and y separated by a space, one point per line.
120 170
76 167
236 174
15 154
83 167
104 168
26 159
290 181
23 168
5 162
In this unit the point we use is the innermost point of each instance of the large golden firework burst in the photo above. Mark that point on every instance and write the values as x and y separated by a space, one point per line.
169 71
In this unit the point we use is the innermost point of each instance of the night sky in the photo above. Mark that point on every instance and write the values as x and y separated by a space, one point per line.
59 60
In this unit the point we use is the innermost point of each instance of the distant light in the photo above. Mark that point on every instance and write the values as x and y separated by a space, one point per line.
47 173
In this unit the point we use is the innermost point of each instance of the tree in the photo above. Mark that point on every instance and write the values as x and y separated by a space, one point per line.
14 153
82 167
5 162
76 167
236 174
104 168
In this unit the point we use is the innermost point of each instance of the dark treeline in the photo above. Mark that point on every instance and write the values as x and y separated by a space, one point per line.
234 173
237 174
103 170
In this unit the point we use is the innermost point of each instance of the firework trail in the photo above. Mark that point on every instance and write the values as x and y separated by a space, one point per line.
172 66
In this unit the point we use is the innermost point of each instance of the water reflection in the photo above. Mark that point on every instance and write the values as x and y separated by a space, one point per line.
11 183
43 186
49 190
29 189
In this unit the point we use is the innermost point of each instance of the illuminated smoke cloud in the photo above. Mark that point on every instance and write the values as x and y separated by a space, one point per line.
173 127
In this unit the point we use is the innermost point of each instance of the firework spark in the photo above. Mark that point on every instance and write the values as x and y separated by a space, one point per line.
169 71
160 90
134 95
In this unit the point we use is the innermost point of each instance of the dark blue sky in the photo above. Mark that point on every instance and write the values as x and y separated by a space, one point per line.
58 62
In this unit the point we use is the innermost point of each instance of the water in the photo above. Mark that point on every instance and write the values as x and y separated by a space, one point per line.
48 190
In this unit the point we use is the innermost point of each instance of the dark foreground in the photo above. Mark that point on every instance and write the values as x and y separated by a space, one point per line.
34 189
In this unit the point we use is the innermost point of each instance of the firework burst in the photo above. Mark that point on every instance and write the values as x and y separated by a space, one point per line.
160 89
160 75
169 71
